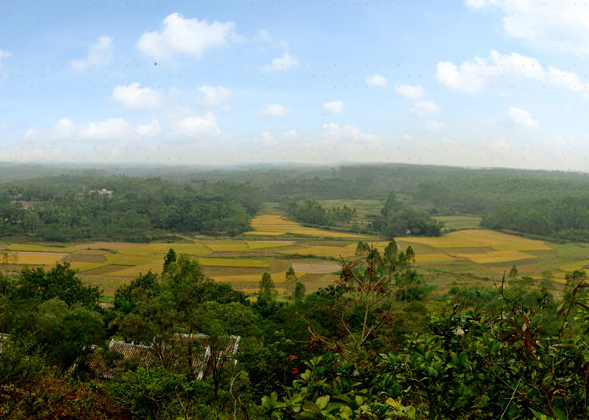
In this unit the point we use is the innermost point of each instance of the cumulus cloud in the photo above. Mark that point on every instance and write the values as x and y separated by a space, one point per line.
100 54
283 62
411 91
289 134
64 129
563 26
274 110
522 118
149 130
424 108
215 95
111 129
471 76
376 80
333 107
185 36
347 134
135 98
196 126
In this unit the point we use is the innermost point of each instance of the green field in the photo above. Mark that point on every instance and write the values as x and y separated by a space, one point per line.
459 222
467 256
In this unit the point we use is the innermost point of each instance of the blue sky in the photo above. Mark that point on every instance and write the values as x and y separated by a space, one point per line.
460 82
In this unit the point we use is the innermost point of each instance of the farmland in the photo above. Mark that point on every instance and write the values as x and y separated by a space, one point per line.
459 257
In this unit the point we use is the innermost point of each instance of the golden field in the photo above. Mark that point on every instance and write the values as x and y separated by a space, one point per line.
463 256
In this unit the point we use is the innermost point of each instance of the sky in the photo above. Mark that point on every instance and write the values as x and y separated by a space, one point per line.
464 83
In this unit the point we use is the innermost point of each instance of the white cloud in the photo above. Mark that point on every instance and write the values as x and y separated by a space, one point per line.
347 134
99 54
196 125
4 54
134 97
432 125
149 130
185 36
333 108
558 25
522 118
111 129
424 108
64 129
290 133
472 76
274 110
376 80
283 62
410 91
4 125
215 95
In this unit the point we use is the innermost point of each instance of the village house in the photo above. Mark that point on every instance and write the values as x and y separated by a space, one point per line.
134 353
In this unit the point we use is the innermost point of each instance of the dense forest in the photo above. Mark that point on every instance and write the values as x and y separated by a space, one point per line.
100 203
76 208
371 346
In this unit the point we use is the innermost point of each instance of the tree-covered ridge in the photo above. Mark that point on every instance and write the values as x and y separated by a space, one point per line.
566 219
75 208
398 219
311 212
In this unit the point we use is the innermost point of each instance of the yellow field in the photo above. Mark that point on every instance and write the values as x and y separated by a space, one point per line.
233 262
255 245
196 248
276 278
322 251
496 256
39 248
481 238
432 257
155 266
274 225
228 246
37 259
577 265
84 266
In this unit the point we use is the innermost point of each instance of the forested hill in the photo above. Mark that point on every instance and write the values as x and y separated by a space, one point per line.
70 207
222 201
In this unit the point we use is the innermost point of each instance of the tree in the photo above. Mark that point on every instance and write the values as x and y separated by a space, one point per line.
169 259
267 288
59 282
513 272
299 292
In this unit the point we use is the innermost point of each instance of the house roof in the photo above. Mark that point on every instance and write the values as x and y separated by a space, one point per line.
156 355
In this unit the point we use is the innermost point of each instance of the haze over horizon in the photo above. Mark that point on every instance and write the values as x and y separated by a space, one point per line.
463 83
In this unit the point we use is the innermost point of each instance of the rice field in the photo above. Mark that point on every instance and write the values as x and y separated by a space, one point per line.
277 225
470 255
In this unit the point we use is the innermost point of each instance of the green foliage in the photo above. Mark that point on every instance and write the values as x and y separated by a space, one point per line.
160 394
20 360
59 282
311 212
299 292
267 289
399 220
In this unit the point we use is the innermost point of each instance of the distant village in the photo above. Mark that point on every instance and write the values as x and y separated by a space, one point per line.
30 204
